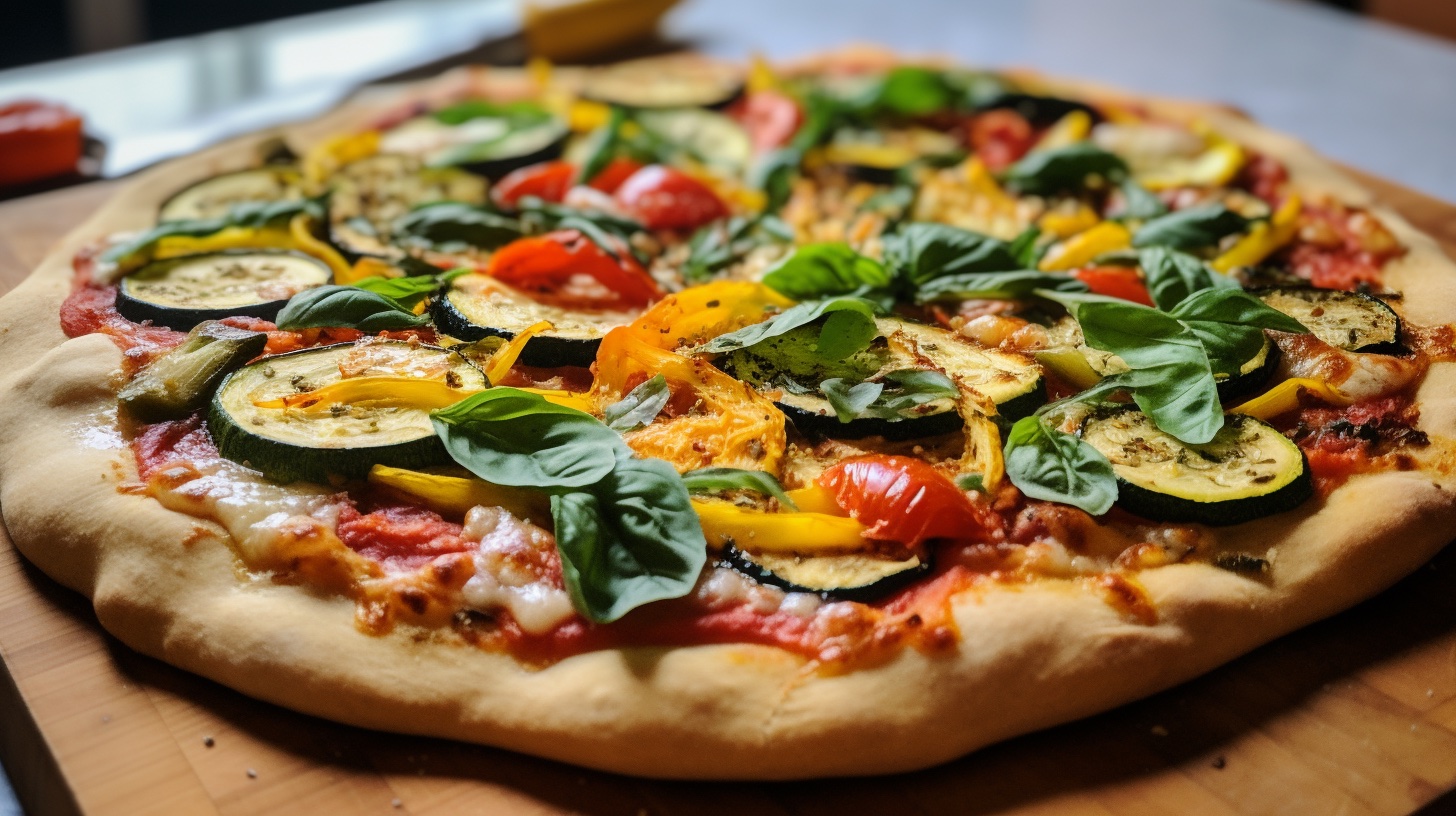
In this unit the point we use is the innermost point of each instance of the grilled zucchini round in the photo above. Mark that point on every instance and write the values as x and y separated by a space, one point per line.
214 197
371 193
687 83
327 443
477 306
1347 320
1249 470
862 577
181 292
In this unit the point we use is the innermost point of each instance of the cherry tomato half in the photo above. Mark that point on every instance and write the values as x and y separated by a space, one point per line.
548 181
1115 281
617 171
771 118
565 268
900 498
38 140
1000 137
663 198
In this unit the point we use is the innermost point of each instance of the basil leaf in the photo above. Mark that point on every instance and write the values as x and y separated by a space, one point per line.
997 286
1172 276
1139 203
138 250
859 320
825 270
603 145
629 540
774 174
1023 247
846 332
1192 228
639 406
850 400
919 252
408 291
346 307
972 481
1045 463
516 438
719 479
1064 169
911 91
517 114
452 224
721 244
1230 323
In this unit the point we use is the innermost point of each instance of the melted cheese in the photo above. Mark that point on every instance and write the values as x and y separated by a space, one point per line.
503 579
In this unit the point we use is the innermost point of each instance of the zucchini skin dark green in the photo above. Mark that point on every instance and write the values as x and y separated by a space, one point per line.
283 462
1240 385
542 350
1150 504
743 563
494 169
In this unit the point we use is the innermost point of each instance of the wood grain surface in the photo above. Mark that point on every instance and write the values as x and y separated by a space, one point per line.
1354 715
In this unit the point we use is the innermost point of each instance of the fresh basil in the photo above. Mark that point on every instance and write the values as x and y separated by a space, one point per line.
1230 324
721 479
1139 203
721 244
139 249
1024 247
911 91
408 291
997 286
630 539
1192 228
1064 169
452 225
972 482
603 145
512 437
896 397
639 406
921 251
516 114
825 270
1047 464
848 328
1172 276
346 307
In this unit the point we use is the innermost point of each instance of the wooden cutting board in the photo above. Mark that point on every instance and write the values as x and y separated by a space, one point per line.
1354 715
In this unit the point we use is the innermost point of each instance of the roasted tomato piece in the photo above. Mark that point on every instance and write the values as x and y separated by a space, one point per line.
548 181
38 140
617 171
771 118
900 498
565 268
663 198
1000 137
1115 281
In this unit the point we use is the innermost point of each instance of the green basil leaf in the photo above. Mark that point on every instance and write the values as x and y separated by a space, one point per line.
604 143
1172 276
825 270
997 286
849 399
900 393
860 320
408 291
720 479
1139 203
138 250
971 481
1230 323
449 224
846 332
639 406
629 540
1063 169
1192 228
912 91
920 252
1045 463
512 437
346 307
517 114
1023 247
721 244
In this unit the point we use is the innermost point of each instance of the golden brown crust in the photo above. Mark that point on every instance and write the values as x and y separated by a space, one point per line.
1029 656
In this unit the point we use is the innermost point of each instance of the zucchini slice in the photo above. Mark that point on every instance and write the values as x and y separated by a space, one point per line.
181 292
1249 470
670 83
343 441
878 156
862 577
486 146
1252 375
477 306
1347 320
371 193
213 197
787 364
706 136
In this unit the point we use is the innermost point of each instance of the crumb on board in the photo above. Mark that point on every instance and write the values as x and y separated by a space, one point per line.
1219 762
252 774
208 742
1159 731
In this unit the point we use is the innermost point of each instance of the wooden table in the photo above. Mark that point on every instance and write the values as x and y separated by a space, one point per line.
1353 715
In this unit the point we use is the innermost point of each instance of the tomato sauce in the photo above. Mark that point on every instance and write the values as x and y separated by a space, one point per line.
164 444
1342 442
1342 248
400 537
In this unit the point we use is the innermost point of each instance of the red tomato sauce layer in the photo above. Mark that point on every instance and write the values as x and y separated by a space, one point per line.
1342 442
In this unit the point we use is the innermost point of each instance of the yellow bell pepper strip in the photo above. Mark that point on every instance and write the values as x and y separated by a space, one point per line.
1216 166
761 76
454 496
729 424
725 523
880 156
366 267
1284 397
506 356
983 453
400 392
584 116
985 185
1079 251
1065 225
700 313
816 499
327 156
229 238
1067 130
301 229
1264 239
1069 364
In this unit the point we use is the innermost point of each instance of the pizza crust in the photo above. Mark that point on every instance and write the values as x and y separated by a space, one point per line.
169 585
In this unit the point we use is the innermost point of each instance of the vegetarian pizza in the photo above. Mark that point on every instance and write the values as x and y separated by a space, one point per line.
690 419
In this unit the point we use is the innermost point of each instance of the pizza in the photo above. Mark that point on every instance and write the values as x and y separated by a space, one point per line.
691 419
